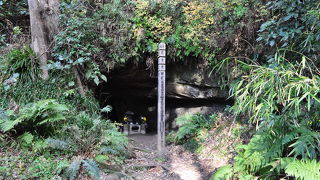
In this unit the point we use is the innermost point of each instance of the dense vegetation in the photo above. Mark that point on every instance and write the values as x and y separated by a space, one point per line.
266 52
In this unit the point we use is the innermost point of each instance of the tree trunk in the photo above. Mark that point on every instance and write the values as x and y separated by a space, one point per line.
79 82
44 26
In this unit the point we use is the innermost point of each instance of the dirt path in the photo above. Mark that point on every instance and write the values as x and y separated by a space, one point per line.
179 163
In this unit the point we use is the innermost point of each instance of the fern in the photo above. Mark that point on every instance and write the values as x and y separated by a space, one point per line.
58 144
73 170
90 135
302 169
26 138
262 149
190 125
44 112
223 173
92 168
9 125
306 145
89 165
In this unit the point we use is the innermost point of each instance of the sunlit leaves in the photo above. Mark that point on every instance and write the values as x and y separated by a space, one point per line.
284 89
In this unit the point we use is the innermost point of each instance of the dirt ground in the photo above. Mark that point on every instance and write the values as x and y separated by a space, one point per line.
177 164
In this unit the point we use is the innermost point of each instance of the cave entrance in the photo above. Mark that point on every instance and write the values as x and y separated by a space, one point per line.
130 90
133 88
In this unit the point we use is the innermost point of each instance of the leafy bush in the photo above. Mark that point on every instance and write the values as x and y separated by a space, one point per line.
264 154
282 88
20 83
89 165
88 137
78 43
37 117
19 61
307 169
282 100
292 23
192 130
190 124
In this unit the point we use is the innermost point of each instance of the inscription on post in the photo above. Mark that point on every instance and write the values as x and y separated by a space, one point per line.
161 98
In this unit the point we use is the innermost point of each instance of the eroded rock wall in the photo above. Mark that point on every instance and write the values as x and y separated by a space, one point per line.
190 88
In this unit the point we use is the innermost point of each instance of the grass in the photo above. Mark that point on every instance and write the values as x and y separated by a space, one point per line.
24 164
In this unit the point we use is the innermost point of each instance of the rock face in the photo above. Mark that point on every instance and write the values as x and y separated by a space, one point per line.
189 88
182 82
187 82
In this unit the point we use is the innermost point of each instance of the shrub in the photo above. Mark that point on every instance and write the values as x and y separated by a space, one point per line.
282 100
87 134
192 130
86 137
39 117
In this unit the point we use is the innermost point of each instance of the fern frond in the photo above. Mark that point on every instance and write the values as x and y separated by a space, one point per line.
262 149
223 173
52 118
307 144
108 150
92 168
9 125
58 144
35 114
303 169
26 138
73 170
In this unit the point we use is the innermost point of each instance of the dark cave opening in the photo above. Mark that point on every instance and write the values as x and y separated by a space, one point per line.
134 89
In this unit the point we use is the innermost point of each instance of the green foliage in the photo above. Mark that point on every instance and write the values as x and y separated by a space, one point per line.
282 100
115 36
19 61
223 173
92 168
89 165
111 33
76 45
281 88
101 158
26 139
90 135
44 113
186 26
73 169
17 65
263 155
28 165
20 83
10 11
46 168
193 129
292 23
307 169
189 125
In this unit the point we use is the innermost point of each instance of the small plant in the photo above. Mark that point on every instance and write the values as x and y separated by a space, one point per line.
223 173
19 61
192 130
89 165
190 125
86 137
36 117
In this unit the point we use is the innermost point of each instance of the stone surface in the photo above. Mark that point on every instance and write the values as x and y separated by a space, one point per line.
189 88
183 82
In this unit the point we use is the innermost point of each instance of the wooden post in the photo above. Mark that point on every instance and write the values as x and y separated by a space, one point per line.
161 98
